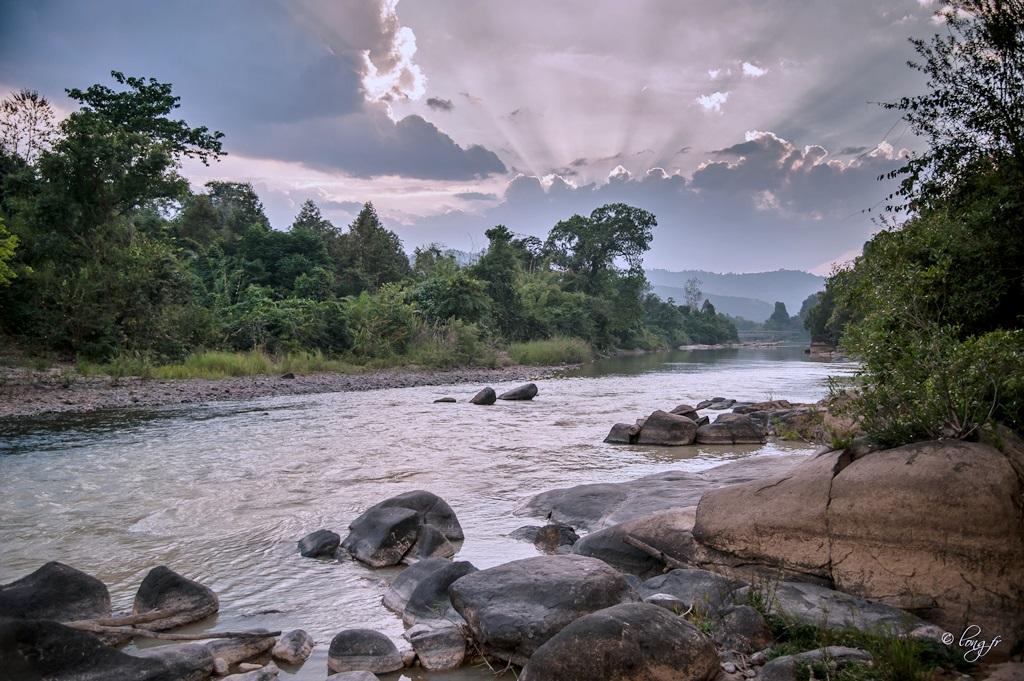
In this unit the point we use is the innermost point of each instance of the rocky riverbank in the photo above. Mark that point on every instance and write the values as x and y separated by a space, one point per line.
27 393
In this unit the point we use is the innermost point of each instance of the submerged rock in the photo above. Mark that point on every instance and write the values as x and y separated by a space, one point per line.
514 608
186 600
430 599
623 434
319 543
267 673
397 595
445 400
430 543
523 392
57 592
363 650
382 536
665 429
629 642
485 397
555 537
293 647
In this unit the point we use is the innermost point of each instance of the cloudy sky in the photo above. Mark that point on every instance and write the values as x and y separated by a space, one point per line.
751 129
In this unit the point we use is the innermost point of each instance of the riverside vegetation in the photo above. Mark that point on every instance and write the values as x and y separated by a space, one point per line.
108 257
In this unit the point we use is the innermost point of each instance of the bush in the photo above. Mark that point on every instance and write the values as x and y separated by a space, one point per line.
382 323
450 344
558 350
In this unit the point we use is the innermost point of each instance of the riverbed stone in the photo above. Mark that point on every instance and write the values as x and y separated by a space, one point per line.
665 429
439 645
667 601
430 599
666 531
397 595
732 429
555 538
686 410
743 629
445 400
628 642
321 543
382 535
704 591
514 608
524 392
835 657
485 397
164 589
293 647
55 591
623 434
430 543
432 510
354 676
266 673
363 650
235 650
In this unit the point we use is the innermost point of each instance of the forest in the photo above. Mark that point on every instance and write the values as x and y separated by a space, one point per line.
109 258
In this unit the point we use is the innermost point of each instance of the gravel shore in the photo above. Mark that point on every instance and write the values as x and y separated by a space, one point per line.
25 393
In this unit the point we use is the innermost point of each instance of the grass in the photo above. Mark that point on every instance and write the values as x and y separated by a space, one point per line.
218 364
557 350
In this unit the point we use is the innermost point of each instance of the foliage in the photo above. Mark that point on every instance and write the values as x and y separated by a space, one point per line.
8 242
551 351
26 125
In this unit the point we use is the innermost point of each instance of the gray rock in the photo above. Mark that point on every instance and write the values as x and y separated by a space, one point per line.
397 595
235 650
629 642
743 629
445 400
430 543
165 589
382 535
55 592
485 397
319 543
267 673
363 650
665 429
835 657
732 429
667 531
835 610
430 599
623 434
525 533
354 676
687 411
439 645
555 538
293 647
432 510
523 392
704 591
514 608
667 601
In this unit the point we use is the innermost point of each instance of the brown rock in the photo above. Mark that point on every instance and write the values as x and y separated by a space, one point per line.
663 428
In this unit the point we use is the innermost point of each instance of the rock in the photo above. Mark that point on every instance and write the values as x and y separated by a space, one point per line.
668 531
1007 671
702 421
667 601
430 599
525 533
397 595
834 610
235 650
597 505
55 592
629 642
267 673
432 509
717 403
623 434
439 645
687 411
743 629
221 666
523 392
445 400
354 676
382 536
363 650
319 543
835 657
704 591
665 429
484 397
165 589
733 429
43 649
293 647
514 608
769 405
555 537
430 543
288 376
729 667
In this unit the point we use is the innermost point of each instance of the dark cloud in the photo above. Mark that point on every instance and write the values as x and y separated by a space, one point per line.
476 196
439 104
344 206
851 151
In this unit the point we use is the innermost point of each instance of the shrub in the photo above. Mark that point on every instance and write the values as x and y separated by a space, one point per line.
558 350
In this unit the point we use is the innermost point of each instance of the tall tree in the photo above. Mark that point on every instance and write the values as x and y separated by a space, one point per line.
26 125
377 254
501 269
311 219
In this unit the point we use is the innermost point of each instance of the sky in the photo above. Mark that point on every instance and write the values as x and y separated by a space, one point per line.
752 129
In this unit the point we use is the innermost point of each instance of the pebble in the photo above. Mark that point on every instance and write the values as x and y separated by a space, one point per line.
728 667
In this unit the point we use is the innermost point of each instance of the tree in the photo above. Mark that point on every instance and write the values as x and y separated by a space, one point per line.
693 292
779 319
26 125
500 268
589 246
312 220
973 112
8 242
376 252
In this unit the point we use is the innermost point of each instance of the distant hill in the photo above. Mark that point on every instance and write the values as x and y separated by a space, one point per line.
742 295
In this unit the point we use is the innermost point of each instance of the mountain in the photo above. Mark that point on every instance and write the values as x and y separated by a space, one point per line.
755 292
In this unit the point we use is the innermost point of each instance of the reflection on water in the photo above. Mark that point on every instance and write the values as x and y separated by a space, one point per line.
221 492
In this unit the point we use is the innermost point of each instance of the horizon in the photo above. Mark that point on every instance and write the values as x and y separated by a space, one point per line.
720 122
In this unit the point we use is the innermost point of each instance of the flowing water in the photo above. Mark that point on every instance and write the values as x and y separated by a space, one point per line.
221 493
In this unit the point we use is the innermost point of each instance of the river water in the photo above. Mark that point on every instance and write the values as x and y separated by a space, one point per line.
221 492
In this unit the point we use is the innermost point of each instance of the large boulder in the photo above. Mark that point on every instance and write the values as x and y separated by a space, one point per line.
55 592
363 650
706 592
439 645
732 429
487 396
629 642
670 430
623 434
833 657
432 510
235 650
430 600
523 392
293 647
43 649
184 600
430 543
382 536
743 629
319 543
514 608
397 595
666 531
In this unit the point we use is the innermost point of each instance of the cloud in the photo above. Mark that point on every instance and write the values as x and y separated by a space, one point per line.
476 196
438 104
713 102
752 71
714 74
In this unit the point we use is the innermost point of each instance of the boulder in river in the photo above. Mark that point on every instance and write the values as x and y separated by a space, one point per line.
732 429
382 535
57 592
363 650
235 650
445 400
183 599
266 673
397 595
439 645
432 510
487 396
663 428
319 543
668 531
430 543
430 601
706 592
686 410
293 647
555 538
623 434
629 642
514 608
523 392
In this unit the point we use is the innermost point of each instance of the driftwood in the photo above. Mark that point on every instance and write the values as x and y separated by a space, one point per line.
93 627
657 554
129 620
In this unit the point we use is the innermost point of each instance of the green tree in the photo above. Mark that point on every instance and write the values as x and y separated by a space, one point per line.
500 268
8 242
312 220
375 253
26 125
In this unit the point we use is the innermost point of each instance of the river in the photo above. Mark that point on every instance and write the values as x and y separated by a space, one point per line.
221 492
